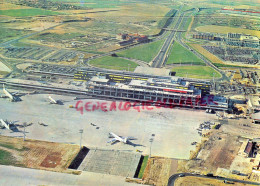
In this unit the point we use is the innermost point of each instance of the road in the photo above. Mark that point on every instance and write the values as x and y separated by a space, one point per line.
160 58
204 59
176 176
23 176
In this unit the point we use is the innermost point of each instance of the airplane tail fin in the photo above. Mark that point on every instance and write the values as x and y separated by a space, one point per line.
125 140
3 86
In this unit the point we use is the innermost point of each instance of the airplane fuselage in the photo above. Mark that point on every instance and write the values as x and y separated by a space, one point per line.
118 138
10 96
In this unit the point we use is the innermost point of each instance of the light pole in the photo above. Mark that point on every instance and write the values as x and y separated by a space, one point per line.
80 131
24 125
151 141
213 81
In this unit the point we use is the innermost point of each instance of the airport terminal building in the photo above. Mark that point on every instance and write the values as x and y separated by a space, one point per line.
163 90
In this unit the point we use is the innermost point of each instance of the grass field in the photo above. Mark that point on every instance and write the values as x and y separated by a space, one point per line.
6 158
27 12
57 37
226 29
189 26
100 4
233 3
180 55
8 33
6 6
115 63
144 52
141 172
200 72
186 24
163 21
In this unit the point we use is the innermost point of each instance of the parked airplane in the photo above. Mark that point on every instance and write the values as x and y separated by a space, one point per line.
117 138
11 96
6 124
53 101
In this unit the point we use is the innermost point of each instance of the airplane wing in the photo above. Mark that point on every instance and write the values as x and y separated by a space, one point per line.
112 140
131 138
18 94
15 93
3 96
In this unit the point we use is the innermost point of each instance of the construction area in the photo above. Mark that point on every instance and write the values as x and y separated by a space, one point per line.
37 154
157 171
230 151
193 181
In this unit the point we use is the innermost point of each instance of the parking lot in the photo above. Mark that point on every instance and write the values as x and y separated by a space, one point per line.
225 88
52 68
39 54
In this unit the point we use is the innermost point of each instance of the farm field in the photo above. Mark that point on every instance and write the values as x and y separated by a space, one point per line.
27 12
99 33
96 33
180 55
36 154
115 63
9 6
200 72
226 29
9 33
97 4
145 52
133 15
234 3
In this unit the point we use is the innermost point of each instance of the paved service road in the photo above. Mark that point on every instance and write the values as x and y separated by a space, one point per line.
24 176
176 176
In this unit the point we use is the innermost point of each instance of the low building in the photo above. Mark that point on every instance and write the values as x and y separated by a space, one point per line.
131 38
121 36
205 36
242 40
249 148
124 43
